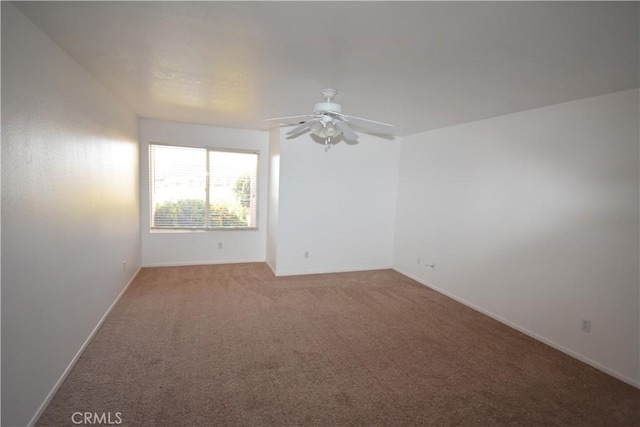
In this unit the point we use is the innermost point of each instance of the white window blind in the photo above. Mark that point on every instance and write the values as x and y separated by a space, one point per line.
202 188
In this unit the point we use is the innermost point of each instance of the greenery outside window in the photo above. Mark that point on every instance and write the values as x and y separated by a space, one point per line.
202 188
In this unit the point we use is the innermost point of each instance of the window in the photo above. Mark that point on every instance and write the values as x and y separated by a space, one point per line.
202 188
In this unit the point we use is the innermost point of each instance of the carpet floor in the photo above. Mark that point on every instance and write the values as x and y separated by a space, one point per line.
233 345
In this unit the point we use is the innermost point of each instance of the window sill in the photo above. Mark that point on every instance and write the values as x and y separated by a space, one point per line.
197 230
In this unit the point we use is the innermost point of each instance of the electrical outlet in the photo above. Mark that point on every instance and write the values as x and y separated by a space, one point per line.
586 326
219 245
306 254
419 261
124 265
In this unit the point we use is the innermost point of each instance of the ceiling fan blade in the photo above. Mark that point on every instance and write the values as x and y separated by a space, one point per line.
349 134
295 135
371 125
280 119
303 126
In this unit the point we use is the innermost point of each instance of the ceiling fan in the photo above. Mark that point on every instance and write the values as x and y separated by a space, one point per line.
327 121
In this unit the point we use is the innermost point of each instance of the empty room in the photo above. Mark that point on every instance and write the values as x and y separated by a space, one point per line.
320 213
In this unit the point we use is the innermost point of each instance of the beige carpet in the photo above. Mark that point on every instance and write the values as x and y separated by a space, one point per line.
232 345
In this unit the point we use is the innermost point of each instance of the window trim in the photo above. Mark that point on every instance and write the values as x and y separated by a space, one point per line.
206 228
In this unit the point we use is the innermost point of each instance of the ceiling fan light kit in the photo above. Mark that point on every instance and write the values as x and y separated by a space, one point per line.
327 121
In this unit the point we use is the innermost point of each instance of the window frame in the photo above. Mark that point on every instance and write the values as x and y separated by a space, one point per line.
207 149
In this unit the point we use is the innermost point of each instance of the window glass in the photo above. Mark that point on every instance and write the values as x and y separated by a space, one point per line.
199 188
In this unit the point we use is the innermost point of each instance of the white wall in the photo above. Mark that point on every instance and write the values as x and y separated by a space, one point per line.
274 197
338 205
533 218
201 247
70 212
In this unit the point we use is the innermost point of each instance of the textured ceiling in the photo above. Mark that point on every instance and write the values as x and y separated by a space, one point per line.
418 65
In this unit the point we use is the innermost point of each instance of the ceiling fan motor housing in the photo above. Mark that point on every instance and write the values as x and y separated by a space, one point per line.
327 107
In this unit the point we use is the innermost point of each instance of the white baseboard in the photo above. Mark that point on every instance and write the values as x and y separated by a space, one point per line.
66 372
272 267
332 270
525 331
188 263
